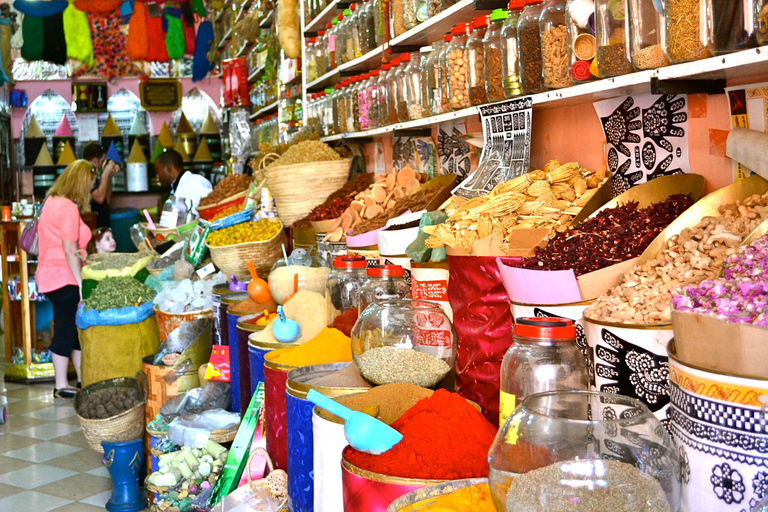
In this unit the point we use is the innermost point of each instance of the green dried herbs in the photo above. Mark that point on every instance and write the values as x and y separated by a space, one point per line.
118 292
116 261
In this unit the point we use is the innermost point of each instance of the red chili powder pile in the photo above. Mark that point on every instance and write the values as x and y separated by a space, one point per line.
444 438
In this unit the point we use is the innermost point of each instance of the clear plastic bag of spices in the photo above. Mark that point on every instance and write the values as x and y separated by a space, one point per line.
383 282
458 94
492 45
687 33
733 26
430 79
443 74
647 37
392 97
383 86
555 68
476 61
612 32
582 45
529 47
761 23
413 88
401 78
344 284
543 357
373 99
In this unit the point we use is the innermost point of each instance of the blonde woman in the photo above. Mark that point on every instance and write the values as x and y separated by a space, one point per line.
62 235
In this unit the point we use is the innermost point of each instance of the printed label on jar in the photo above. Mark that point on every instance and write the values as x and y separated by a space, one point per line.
430 330
430 290
507 404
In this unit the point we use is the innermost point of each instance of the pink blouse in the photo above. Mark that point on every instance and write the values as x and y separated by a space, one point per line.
59 222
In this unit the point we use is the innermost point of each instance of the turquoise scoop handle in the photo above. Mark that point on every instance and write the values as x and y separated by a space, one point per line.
328 404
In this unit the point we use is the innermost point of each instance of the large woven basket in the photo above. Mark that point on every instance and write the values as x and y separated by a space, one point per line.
210 211
233 259
298 188
126 426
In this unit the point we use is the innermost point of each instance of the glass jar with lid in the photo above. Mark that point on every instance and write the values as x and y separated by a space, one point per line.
383 282
373 99
392 97
397 16
298 272
761 26
329 113
443 73
612 33
413 88
311 53
367 27
354 88
543 357
430 79
383 91
492 53
402 87
602 451
346 49
355 29
410 341
476 61
331 46
733 26
343 286
322 50
348 122
340 107
555 68
458 94
582 45
529 47
362 102
647 38
381 21
687 23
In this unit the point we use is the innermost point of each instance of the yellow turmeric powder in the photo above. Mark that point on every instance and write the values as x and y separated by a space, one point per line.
329 346
476 498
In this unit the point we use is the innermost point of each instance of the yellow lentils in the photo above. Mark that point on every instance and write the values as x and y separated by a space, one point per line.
258 231
227 212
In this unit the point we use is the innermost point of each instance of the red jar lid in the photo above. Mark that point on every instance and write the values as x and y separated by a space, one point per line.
448 37
349 262
462 29
481 22
395 63
533 2
375 72
406 57
514 5
386 67
353 7
329 25
545 328
322 32
386 271
312 40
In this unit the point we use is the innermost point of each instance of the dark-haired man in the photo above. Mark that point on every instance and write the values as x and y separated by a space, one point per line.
101 194
184 184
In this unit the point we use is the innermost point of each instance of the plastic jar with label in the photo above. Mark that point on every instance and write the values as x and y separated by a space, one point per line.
582 45
492 48
647 38
555 68
458 95
476 61
392 97
443 73
383 282
529 47
612 33
344 285
687 23
543 357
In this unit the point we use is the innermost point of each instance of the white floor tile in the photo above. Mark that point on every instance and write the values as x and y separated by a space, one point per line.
42 452
52 413
98 500
48 431
100 471
35 476
31 500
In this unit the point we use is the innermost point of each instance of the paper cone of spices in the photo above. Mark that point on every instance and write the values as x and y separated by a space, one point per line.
136 156
33 130
184 125
209 126
157 151
67 155
63 130
203 153
182 151
111 129
43 157
165 137
137 127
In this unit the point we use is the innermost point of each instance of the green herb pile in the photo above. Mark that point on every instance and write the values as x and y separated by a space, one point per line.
118 292
116 261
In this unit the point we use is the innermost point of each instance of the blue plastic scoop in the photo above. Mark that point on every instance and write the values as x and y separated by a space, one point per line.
364 433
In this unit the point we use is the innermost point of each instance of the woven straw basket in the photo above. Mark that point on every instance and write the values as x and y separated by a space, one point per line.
126 426
233 259
298 188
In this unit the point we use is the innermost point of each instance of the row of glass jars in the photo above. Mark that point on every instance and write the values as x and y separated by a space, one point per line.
265 131
263 93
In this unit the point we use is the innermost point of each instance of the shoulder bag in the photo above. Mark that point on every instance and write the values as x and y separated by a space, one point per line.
28 238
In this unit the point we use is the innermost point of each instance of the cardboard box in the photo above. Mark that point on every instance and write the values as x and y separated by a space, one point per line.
708 342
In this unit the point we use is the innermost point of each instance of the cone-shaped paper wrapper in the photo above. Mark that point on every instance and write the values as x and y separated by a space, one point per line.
111 129
63 130
203 153
184 126
136 155
67 155
113 154
43 157
157 151
33 130
137 127
183 152
165 137
209 126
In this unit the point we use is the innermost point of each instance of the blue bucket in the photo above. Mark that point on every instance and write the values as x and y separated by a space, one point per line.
155 461
301 486
256 352
234 362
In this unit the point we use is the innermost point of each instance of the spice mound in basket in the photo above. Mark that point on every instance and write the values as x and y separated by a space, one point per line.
118 292
258 231
444 438
229 186
109 402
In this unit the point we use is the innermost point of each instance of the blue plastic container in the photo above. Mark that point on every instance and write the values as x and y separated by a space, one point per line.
234 363
120 221
124 462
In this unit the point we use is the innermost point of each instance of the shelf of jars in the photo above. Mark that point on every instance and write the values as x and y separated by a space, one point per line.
255 74
325 16
435 27
265 110
746 63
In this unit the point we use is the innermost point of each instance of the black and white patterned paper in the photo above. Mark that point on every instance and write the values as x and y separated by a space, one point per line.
646 136
453 149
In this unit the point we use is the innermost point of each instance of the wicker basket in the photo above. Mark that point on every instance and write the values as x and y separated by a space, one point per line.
126 426
298 188
209 212
233 259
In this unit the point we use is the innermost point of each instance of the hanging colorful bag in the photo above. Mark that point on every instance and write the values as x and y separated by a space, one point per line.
28 240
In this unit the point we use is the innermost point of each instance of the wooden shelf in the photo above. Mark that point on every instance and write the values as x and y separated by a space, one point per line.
322 19
436 27
266 110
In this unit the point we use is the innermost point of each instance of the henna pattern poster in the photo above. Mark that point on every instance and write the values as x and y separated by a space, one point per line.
646 136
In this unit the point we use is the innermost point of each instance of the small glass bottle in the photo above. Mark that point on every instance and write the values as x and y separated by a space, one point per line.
543 357
733 26
430 79
343 286
373 99
687 32
492 48
322 50
529 47
648 40
761 27
392 97
476 61
612 33
383 87
413 88
444 72
458 94
555 67
383 282
582 45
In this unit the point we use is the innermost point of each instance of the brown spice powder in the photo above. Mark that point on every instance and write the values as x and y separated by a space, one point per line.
530 60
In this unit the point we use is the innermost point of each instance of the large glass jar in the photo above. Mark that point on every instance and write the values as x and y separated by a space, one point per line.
349 120
612 32
381 21
402 87
322 49
383 282
555 68
373 99
383 95
409 341
733 26
529 47
414 107
362 102
543 357
329 112
510 55
492 44
297 273
354 88
584 449
582 45
367 27
761 25
430 79
476 61
311 53
397 16
647 37
346 49
354 31
458 95
340 106
343 286
444 73
331 47
392 97
687 32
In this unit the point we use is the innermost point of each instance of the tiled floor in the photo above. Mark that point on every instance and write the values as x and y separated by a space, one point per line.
45 461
